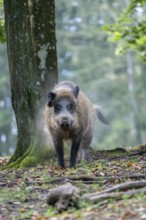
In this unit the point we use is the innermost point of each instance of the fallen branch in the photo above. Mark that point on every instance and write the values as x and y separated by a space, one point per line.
135 176
71 179
108 193
116 195
85 179
125 186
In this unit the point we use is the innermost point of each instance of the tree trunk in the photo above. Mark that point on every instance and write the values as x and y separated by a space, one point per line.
143 104
31 44
135 131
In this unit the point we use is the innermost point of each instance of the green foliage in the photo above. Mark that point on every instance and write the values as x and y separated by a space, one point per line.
2 23
2 30
130 29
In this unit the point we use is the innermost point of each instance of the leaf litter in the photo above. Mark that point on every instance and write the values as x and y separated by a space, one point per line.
24 192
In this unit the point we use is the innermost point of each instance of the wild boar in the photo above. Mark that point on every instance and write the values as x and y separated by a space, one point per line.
71 115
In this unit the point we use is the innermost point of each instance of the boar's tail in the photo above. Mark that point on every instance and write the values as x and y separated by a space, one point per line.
100 115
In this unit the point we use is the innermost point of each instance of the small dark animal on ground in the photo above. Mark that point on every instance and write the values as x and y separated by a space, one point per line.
70 115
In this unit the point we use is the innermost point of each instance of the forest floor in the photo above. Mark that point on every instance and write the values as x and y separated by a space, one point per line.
111 187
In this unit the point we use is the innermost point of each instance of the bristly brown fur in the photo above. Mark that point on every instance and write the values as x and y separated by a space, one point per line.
83 120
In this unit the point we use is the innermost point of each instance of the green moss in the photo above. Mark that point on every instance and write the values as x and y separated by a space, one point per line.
29 161
14 164
33 156
37 156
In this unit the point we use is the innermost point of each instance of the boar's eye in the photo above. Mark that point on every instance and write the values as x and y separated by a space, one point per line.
57 108
70 107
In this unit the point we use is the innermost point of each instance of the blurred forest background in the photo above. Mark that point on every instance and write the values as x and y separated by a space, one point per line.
85 56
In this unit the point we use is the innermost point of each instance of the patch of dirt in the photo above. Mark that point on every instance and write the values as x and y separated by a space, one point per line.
23 193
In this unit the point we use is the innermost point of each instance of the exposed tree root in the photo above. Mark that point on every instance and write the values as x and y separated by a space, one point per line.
16 163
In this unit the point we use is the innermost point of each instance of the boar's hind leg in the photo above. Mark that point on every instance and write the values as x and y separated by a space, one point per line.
60 152
84 154
74 151
84 148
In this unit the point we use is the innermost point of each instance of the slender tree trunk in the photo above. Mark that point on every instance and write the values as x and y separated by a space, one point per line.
31 43
143 104
135 133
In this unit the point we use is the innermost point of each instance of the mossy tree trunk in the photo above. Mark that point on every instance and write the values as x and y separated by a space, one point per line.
31 44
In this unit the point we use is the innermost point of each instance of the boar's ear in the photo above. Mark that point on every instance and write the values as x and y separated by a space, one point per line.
51 97
76 91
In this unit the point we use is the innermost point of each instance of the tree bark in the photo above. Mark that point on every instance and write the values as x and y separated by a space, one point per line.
31 45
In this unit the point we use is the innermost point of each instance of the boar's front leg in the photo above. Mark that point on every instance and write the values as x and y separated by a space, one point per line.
58 143
74 150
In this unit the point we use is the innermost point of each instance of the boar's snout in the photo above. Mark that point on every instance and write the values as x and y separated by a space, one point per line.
65 123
